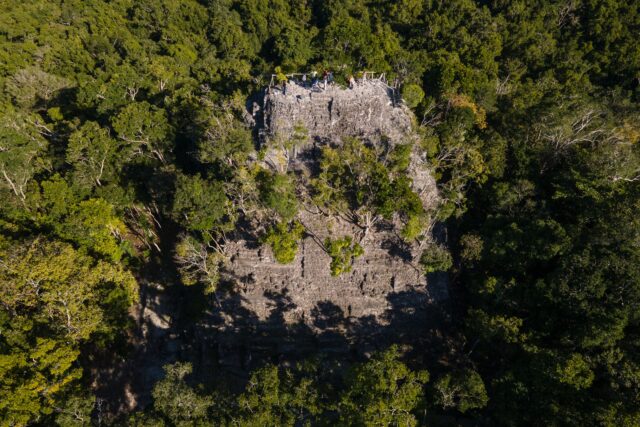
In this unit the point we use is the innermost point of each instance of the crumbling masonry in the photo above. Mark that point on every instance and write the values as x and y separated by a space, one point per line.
386 293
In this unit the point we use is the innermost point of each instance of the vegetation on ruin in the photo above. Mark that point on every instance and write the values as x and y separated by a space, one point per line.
343 252
123 152
283 239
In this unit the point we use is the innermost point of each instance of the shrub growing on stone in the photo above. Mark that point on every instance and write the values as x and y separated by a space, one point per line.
342 252
283 239
277 192
436 258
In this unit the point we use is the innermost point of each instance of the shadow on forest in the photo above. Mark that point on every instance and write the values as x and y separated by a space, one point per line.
225 340
230 341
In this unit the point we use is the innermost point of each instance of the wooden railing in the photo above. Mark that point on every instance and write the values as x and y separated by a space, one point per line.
363 75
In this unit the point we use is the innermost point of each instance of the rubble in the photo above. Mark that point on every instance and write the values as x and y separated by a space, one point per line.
368 111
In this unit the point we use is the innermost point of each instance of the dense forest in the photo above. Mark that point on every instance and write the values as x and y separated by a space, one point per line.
123 152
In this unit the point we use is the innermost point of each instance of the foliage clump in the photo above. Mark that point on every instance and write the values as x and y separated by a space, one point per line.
463 390
412 94
199 263
176 400
353 181
436 258
277 192
463 101
382 391
283 239
200 204
342 252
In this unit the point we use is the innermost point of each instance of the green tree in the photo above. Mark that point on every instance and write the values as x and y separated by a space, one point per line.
53 300
462 390
293 48
223 138
381 392
23 151
145 129
436 258
93 155
199 263
96 227
283 239
75 410
414 227
176 401
400 158
56 199
471 247
412 94
168 72
277 192
576 372
342 252
280 397
117 86
200 204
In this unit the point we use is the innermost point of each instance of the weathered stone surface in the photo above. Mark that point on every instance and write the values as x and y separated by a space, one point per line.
367 111
300 307
388 265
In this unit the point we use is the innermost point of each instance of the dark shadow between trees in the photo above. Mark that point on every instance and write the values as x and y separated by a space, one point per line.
230 340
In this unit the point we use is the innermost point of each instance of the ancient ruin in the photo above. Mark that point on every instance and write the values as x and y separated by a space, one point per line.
292 308
266 311
369 110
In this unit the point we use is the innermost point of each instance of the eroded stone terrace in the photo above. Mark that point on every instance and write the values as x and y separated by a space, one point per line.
368 111
299 308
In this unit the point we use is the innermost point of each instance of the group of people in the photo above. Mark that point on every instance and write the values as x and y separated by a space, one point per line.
314 81
327 78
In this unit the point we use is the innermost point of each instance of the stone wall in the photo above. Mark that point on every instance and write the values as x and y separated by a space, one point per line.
369 111
388 265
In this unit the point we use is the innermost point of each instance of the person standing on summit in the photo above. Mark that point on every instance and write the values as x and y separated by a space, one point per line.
325 77
352 81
